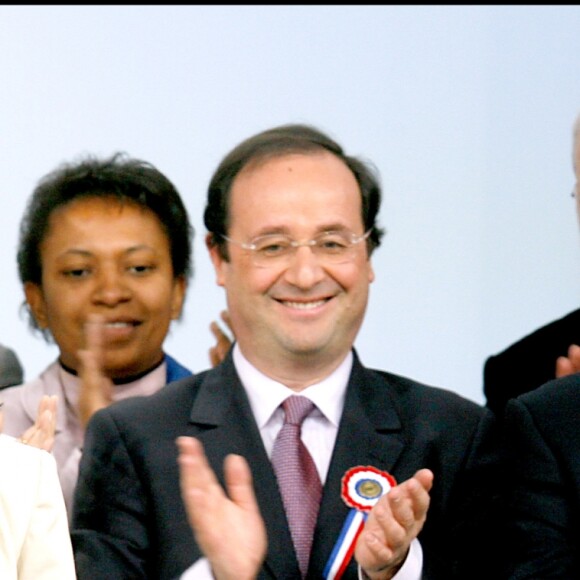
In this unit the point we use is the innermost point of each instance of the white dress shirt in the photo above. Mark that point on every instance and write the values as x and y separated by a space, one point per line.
319 430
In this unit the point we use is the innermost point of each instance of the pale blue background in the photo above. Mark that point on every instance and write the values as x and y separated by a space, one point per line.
467 112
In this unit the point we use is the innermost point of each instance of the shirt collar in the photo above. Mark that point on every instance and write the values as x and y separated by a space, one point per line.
146 384
266 395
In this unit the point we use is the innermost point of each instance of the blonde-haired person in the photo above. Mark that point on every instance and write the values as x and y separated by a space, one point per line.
543 459
549 352
34 536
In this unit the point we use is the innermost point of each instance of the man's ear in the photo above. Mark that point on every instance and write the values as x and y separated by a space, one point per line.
217 260
35 300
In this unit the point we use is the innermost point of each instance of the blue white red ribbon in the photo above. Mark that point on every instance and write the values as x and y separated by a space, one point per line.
361 488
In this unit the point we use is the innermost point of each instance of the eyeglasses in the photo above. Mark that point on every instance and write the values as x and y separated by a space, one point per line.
276 250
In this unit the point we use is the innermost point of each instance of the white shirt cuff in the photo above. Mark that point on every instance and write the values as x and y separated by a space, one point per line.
200 570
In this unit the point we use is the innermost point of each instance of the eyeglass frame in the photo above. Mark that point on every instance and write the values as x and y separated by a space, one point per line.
295 244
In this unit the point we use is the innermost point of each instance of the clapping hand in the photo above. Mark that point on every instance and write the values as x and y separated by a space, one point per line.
228 528
393 523
41 433
96 389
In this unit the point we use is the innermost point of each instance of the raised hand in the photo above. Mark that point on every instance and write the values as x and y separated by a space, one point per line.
223 342
393 523
41 433
570 364
96 389
228 528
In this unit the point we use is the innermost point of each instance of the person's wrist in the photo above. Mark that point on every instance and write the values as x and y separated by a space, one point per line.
385 573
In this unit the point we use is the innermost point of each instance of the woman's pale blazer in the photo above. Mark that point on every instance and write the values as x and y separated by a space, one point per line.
34 535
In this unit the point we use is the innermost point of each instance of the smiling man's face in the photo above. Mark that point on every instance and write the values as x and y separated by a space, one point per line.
306 308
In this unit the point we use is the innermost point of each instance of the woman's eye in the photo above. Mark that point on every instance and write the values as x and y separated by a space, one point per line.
141 268
76 272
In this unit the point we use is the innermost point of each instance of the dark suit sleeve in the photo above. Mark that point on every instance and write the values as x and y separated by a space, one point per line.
528 363
540 505
519 369
469 549
111 542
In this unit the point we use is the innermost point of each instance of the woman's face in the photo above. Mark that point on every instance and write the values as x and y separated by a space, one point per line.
111 260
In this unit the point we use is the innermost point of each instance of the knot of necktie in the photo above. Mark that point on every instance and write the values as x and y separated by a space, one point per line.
296 409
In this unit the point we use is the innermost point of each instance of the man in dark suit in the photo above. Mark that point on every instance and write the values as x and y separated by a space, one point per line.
552 351
292 226
543 476
543 435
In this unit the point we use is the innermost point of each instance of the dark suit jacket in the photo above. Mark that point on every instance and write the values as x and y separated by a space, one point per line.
543 436
528 363
129 521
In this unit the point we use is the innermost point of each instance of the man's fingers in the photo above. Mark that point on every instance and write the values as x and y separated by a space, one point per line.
194 468
197 476
216 330
568 365
239 482
564 367
223 340
425 478
218 352
410 501
214 357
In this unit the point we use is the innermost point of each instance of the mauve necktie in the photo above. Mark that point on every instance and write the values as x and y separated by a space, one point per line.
297 477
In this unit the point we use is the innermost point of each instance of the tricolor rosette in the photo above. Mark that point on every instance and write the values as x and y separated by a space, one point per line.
362 487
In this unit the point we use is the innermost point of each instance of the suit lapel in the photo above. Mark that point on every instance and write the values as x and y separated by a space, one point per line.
369 434
223 421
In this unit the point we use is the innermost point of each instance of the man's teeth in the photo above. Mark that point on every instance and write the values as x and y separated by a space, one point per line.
118 324
304 305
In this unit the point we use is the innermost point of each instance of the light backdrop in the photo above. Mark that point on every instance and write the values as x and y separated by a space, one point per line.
466 111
